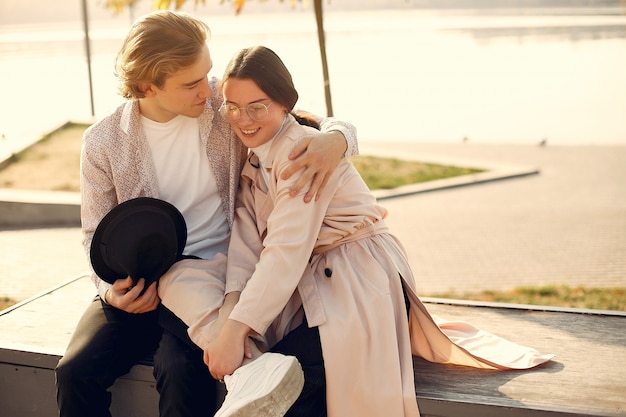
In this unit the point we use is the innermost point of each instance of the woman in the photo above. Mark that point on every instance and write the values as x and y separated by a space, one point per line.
331 266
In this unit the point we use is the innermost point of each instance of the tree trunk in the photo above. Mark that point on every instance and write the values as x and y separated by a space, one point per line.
88 53
319 19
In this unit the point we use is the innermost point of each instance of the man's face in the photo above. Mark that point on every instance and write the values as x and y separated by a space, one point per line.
184 93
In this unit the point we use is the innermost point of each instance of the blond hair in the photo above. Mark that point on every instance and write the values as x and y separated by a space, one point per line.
157 46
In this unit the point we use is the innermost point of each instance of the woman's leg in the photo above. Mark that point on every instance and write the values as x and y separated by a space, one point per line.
107 342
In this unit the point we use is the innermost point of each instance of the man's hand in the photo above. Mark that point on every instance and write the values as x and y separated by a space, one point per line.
319 154
124 296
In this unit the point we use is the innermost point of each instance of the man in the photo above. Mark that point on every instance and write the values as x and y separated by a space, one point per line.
168 142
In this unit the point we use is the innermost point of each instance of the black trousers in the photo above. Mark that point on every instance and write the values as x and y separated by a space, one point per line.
303 343
107 342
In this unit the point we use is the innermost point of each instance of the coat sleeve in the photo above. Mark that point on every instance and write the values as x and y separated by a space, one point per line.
245 242
292 231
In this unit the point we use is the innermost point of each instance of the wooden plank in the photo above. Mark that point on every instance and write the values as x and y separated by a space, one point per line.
26 391
44 323
135 394
585 379
449 408
35 334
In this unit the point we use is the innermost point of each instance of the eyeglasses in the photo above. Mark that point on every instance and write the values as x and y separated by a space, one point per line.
256 111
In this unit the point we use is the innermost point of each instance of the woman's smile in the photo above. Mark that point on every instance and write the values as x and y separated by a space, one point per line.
249 132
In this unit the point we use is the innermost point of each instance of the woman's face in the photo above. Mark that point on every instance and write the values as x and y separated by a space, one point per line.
241 93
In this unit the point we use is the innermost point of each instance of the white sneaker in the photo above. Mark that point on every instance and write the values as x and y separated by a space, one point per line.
265 387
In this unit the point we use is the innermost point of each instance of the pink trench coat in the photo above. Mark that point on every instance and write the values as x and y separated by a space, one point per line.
351 288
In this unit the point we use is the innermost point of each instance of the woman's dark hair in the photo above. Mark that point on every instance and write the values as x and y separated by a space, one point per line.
267 70
305 119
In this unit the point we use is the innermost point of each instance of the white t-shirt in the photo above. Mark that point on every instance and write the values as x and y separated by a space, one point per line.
186 180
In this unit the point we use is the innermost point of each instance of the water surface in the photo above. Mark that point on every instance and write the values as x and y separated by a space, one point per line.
492 76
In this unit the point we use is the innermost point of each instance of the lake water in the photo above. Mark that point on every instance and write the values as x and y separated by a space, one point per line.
403 75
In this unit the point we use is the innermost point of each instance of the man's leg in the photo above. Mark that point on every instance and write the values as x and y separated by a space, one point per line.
304 343
185 385
107 342
194 290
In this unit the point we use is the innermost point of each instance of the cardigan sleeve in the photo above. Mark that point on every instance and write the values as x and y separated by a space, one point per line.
97 196
329 124
114 168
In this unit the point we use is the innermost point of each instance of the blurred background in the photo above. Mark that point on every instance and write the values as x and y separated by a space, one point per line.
466 80
492 72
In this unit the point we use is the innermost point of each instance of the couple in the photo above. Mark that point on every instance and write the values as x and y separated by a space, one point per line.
291 284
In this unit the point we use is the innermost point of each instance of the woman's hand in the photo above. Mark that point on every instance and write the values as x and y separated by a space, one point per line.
230 301
227 352
319 154
126 297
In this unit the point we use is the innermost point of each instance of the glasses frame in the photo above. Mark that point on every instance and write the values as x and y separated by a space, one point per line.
224 113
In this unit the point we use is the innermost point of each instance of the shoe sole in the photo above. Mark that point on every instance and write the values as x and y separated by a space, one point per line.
279 400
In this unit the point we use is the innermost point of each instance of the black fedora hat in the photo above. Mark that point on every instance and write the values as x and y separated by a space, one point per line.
140 238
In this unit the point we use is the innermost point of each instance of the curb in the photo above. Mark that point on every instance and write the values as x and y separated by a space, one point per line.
460 181
25 208
492 171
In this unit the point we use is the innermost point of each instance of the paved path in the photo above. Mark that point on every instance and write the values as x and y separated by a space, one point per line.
565 225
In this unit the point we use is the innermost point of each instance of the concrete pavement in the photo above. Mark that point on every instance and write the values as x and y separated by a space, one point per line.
566 225
544 215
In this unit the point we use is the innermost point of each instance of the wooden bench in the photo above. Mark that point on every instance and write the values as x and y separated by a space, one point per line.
587 377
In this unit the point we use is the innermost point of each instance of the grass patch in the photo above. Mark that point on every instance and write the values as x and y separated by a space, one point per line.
43 149
551 295
387 173
6 302
51 164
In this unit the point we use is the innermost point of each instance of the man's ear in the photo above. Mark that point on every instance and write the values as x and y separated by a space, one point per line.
147 89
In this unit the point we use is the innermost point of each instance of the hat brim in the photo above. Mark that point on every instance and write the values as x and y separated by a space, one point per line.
141 217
